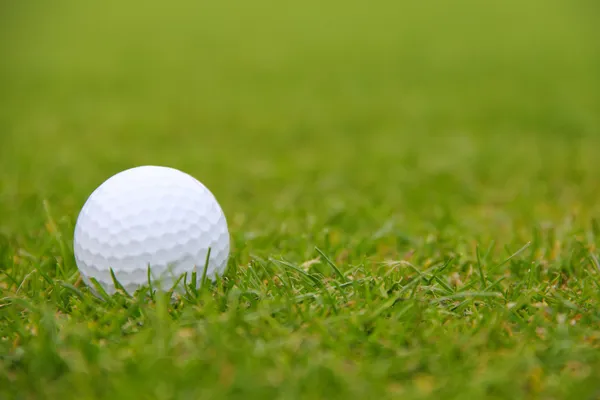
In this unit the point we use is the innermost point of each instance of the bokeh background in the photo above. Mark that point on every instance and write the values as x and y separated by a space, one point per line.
391 119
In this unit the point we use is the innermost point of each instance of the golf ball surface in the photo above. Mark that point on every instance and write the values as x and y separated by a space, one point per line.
154 218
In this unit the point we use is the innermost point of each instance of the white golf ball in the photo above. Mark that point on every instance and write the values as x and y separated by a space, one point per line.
154 218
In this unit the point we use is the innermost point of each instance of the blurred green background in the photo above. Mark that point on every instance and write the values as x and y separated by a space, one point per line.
298 115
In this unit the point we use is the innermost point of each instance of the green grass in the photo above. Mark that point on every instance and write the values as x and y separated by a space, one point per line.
412 192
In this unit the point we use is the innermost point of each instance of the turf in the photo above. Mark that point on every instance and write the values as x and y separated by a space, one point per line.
411 190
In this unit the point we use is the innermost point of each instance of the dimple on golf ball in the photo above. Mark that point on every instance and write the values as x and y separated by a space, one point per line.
150 218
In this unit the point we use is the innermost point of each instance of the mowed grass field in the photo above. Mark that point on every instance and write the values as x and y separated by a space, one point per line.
412 191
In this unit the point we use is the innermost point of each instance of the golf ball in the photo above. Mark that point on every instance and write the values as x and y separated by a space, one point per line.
150 218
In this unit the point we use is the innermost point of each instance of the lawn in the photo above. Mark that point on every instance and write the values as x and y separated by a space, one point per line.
412 191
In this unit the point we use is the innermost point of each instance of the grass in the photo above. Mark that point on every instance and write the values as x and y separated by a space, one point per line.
412 194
